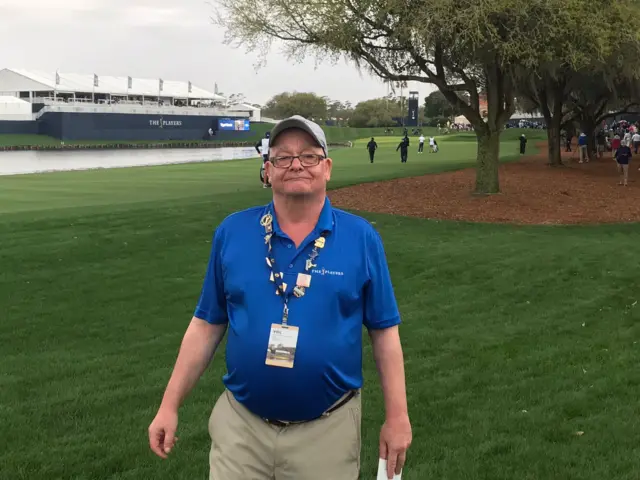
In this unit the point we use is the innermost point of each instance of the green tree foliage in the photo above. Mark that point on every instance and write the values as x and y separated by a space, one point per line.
339 113
378 112
436 105
471 47
308 105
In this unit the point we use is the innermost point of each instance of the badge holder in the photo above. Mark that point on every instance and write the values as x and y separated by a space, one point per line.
283 338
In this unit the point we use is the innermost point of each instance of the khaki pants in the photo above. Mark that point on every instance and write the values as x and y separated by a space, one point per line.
245 447
623 170
584 157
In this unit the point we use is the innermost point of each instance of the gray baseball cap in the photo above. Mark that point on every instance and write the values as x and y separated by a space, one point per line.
302 123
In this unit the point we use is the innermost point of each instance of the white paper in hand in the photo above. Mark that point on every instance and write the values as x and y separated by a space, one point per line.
382 471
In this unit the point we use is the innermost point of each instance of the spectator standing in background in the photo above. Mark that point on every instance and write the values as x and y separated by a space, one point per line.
262 147
636 142
433 145
582 147
523 144
568 142
626 140
601 141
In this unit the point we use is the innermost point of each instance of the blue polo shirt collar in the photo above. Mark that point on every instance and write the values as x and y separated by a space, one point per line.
325 223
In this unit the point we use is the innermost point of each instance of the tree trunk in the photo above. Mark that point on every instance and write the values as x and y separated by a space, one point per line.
554 125
553 138
487 162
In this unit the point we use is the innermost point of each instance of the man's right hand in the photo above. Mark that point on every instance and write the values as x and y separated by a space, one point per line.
162 432
196 351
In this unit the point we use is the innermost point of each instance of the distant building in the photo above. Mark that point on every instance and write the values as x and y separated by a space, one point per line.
60 104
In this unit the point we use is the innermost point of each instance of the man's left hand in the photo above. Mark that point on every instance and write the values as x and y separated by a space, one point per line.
395 438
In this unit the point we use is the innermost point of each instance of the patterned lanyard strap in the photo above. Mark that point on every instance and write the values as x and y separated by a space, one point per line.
277 277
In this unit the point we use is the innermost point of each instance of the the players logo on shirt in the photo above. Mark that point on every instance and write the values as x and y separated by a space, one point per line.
324 271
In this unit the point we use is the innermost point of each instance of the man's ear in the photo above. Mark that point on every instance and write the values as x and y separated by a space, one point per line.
328 168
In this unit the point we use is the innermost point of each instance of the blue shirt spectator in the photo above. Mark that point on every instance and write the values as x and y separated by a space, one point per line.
582 140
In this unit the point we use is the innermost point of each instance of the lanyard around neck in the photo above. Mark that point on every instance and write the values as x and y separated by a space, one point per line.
277 277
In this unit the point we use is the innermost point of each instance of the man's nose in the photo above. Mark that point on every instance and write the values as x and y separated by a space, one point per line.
296 165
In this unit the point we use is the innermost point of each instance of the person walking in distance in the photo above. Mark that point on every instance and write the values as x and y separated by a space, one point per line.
421 144
293 283
403 146
615 145
623 156
263 149
372 147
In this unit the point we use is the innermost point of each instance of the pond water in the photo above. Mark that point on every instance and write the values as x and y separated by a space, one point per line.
33 161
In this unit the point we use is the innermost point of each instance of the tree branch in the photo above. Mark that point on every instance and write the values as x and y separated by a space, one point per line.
626 109
384 72
470 111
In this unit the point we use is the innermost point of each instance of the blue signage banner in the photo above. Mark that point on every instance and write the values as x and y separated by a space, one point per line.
239 124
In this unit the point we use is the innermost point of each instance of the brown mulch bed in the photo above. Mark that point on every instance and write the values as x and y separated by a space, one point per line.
531 193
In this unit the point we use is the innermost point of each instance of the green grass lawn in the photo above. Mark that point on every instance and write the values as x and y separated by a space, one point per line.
87 191
515 338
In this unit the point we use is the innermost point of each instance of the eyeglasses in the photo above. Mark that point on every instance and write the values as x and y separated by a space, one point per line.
306 160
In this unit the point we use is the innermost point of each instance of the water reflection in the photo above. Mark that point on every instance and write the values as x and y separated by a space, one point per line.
31 161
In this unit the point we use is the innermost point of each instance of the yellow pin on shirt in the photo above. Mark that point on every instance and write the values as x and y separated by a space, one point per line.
319 242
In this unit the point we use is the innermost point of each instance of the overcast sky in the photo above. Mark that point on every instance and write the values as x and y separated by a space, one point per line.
170 39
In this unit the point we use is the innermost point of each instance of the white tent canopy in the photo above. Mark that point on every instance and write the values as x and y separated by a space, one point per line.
12 108
13 80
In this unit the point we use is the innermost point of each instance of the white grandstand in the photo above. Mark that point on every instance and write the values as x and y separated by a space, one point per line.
61 91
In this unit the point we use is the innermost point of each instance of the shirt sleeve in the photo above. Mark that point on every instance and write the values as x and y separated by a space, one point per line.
212 305
381 308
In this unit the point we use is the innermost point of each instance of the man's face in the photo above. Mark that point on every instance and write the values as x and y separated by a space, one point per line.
297 179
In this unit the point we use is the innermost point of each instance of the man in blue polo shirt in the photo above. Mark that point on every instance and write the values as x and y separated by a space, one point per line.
293 282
